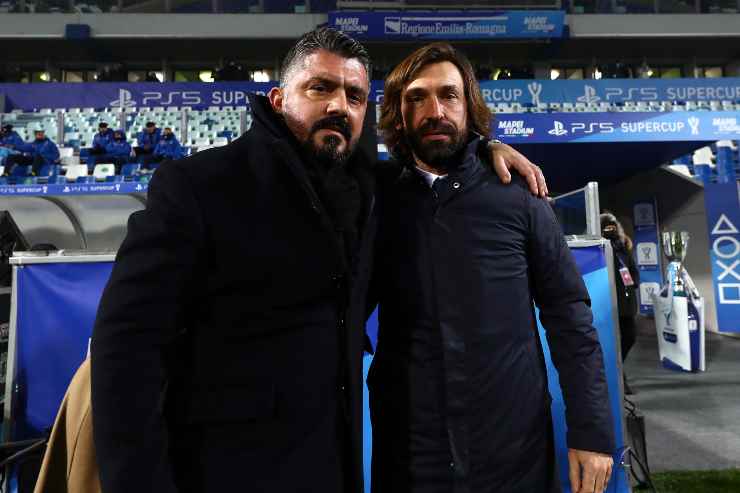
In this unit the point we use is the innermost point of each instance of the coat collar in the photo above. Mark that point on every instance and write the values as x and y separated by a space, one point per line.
462 174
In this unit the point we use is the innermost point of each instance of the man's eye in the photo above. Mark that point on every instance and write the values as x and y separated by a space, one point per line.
452 96
318 88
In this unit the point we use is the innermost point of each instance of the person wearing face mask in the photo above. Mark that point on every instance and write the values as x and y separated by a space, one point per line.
9 138
627 279
167 148
37 153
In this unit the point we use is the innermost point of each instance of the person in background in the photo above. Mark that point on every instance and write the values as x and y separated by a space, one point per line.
168 147
4 153
37 153
627 279
147 140
101 139
117 151
9 138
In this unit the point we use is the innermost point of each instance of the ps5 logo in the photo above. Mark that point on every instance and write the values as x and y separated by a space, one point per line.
694 124
589 96
558 129
535 88
125 99
632 93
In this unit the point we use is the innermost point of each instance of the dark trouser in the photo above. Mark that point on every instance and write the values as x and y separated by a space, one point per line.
140 151
628 334
146 161
97 151
36 162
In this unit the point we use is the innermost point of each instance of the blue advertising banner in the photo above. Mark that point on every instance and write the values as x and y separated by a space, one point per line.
616 127
99 95
647 252
56 306
450 25
592 91
592 263
74 189
723 218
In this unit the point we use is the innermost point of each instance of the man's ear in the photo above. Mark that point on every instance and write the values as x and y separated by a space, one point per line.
276 99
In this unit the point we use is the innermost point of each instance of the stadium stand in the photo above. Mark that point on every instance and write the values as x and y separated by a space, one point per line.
200 129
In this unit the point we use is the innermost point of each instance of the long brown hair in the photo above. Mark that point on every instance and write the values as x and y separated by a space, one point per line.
391 119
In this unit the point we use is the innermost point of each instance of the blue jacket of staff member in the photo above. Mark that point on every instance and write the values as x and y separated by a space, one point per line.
11 139
102 139
169 148
45 148
152 139
118 147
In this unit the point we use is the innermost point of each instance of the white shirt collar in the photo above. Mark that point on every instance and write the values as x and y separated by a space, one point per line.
428 176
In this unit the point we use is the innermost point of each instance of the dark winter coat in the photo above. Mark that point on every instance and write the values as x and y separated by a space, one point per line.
227 350
458 386
627 303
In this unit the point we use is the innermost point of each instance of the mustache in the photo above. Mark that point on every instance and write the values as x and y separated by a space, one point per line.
437 127
336 123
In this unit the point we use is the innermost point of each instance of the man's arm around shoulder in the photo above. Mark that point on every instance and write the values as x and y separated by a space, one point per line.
140 313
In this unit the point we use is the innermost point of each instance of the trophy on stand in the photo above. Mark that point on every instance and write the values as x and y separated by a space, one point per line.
679 310
675 244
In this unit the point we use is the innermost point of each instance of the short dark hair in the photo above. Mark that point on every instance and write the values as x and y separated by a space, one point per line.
151 124
391 118
102 125
323 38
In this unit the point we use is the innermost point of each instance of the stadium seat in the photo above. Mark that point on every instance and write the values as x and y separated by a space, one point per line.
103 170
220 141
76 171
85 179
130 170
20 171
2 170
114 179
66 152
48 171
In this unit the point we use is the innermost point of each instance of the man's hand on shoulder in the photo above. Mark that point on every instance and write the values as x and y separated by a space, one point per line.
589 471
504 158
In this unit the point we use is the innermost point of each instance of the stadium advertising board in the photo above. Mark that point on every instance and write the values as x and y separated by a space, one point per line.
29 97
450 25
617 127
723 221
73 189
592 91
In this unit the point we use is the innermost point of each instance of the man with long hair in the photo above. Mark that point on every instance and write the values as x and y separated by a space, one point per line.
458 386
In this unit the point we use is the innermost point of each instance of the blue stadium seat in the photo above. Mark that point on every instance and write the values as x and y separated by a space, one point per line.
20 171
3 180
85 179
114 179
129 170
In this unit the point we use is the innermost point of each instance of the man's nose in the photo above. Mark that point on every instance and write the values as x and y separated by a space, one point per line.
337 104
435 110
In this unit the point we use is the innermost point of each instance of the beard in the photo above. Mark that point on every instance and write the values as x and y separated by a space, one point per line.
327 151
438 154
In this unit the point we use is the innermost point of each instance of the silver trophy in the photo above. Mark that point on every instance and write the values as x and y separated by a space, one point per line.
675 244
